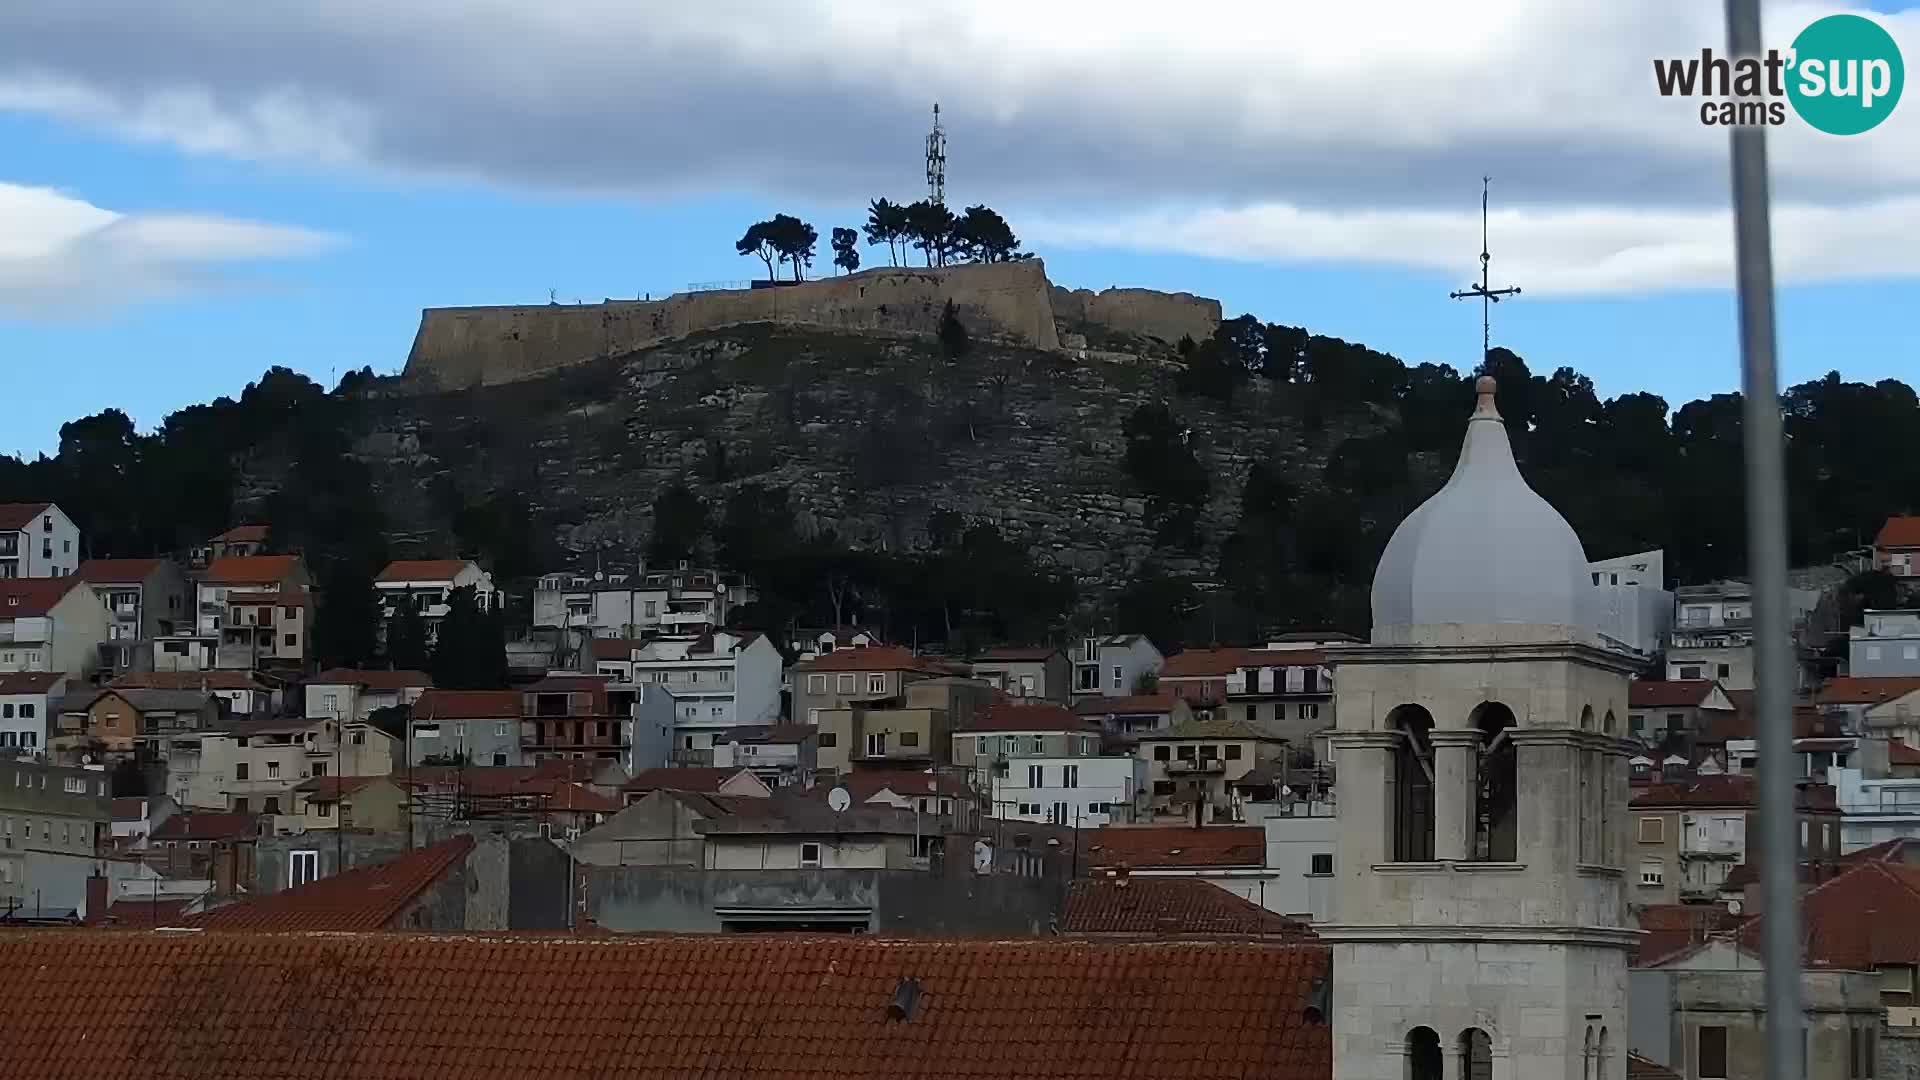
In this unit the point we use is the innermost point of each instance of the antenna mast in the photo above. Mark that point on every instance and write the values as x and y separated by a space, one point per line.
1488 296
937 161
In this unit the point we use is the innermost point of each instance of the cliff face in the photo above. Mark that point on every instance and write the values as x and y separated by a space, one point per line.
1009 302
868 435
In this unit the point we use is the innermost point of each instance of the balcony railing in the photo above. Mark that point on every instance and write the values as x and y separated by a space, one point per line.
1207 765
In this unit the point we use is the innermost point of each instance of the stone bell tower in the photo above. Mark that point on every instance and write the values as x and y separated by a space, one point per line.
1480 921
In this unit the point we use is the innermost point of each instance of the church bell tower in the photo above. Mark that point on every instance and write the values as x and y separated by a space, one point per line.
1479 926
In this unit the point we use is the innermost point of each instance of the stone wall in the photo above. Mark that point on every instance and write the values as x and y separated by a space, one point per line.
467 346
659 899
1145 312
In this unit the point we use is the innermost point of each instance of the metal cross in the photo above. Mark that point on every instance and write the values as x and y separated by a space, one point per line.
1488 296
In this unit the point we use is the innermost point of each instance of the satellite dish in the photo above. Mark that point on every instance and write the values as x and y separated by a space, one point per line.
982 857
839 800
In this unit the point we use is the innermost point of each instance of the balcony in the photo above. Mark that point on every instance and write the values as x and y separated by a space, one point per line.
692 759
1209 766
685 618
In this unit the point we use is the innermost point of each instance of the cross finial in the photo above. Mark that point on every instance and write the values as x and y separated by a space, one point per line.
1488 296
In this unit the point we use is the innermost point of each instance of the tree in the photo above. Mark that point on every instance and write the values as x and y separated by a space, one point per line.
760 240
793 240
931 226
954 341
984 236
471 651
406 646
345 631
679 521
844 255
887 224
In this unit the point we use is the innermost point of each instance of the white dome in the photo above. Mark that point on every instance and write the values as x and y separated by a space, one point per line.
1486 560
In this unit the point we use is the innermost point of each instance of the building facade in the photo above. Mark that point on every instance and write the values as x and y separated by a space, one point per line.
424 585
683 600
1284 688
145 598
28 702
257 609
1043 673
1114 665
912 728
53 823
37 540
50 624
1886 643
719 681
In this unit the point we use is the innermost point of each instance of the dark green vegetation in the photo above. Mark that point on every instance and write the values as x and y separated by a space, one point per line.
955 489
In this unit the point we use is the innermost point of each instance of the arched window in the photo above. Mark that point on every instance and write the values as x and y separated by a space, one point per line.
1424 1061
1606 724
1496 820
1586 718
1587 1070
1476 1055
1412 782
1602 1051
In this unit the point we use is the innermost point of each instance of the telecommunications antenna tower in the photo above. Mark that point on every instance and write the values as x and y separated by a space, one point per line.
937 161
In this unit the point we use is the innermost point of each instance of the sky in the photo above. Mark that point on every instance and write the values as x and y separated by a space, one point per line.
190 194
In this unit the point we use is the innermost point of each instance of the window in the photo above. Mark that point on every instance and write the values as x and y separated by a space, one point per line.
846 683
239 804
983 745
1117 675
330 702
909 738
1163 787
876 743
876 683
1309 711
319 768
1712 1053
272 807
273 770
291 641
1690 671
1026 685
1322 864
829 739
240 770
1233 751
816 684
302 867
499 761
500 729
1184 753
1069 776
1036 776
359 738
1209 752
1653 830
75 786
1651 873
810 855
1723 670
324 809
1861 1051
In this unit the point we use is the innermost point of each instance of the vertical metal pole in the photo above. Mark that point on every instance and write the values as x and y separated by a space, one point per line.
1764 446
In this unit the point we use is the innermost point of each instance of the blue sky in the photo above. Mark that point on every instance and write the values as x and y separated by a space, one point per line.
372 227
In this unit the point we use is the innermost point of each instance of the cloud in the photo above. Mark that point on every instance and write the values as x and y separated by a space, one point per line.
1375 115
63 256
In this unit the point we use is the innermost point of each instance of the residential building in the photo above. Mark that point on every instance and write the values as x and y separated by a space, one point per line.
1114 665
800 834
135 817
1888 705
1167 907
479 727
245 693
37 540
424 585
1896 548
737 782
1687 836
1877 788
942 798
572 716
808 644
1231 857
912 727
253 767
208 846
1041 762
1632 606
28 704
835 679
139 724
239 542
1042 673
350 694
374 803
784 755
659 827
1197 763
258 608
683 600
1886 643
425 889
50 624
1712 636
1670 712
145 598
1302 838
719 681
53 822
522 799
848 1005
1284 687
1126 719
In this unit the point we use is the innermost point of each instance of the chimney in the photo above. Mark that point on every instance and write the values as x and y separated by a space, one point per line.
1873 759
96 897
1199 809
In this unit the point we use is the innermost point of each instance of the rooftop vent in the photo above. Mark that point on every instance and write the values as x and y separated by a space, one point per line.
1318 996
905 997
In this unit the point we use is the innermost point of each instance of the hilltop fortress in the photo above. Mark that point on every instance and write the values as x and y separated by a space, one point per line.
1013 302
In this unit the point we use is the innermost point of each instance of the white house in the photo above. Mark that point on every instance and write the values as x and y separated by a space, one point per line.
256 608
50 624
1300 847
244 694
1113 665
353 695
425 584
684 599
1631 602
27 702
1886 643
1078 792
780 755
719 681
37 540
147 598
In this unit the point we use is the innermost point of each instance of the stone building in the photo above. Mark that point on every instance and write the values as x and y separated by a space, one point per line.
1480 928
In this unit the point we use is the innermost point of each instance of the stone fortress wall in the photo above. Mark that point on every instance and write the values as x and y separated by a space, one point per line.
469 346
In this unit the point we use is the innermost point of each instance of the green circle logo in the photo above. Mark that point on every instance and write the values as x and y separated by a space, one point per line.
1846 76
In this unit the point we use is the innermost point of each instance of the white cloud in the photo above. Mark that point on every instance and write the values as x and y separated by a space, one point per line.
60 255
1372 121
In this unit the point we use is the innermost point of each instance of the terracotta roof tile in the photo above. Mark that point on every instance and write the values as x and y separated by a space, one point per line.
331 788
879 658
1671 929
1867 916
1900 752
1131 703
208 825
251 569
1866 689
17 516
1639 1068
1725 790
243 534
187 680
1899 531
1167 905
119 1005
682 779
30 682
1011 715
1209 729
614 648
423 569
865 783
1221 662
31 598
1145 846
1668 693
372 680
141 914
103 571
364 898
437 704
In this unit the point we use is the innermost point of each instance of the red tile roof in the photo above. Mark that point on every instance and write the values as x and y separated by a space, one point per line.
1899 531
29 682
103 571
1221 662
141 914
1639 1068
1867 916
285 597
707 781
423 570
364 898
1899 752
1011 715
31 598
17 516
113 1005
437 704
1153 846
1668 693
1166 905
1735 790
251 569
614 648
878 658
1161 702
1865 689
1671 929
573 797
131 808
331 788
864 784
243 534
1018 654
187 680
208 825
372 680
